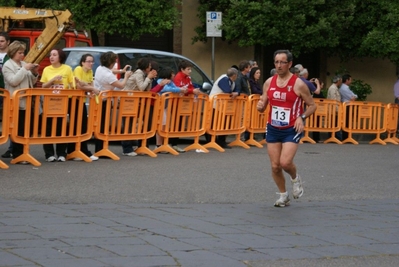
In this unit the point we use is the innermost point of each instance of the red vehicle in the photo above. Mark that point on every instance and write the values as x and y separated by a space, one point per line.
56 32
68 39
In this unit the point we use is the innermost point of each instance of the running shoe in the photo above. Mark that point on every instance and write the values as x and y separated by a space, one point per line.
130 154
161 152
283 201
51 159
178 149
61 159
297 188
7 154
93 158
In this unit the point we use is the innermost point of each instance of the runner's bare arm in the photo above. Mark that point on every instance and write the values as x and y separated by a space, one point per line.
307 98
302 90
262 104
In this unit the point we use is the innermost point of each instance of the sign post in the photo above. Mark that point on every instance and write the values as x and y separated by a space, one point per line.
213 23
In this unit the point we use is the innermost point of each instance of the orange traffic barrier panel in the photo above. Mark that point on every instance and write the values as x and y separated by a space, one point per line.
364 118
326 118
182 117
256 122
392 112
125 115
5 121
52 116
227 116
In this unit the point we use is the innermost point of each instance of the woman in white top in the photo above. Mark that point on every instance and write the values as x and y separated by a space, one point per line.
18 75
104 80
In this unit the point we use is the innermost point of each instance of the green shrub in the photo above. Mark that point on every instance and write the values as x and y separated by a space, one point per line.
358 87
361 89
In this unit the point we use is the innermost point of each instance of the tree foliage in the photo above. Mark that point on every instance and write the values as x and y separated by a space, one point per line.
351 28
128 18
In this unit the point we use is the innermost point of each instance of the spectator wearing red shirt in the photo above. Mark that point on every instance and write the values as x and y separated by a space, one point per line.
183 79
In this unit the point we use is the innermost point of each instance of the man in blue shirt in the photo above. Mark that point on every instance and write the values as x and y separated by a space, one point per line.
346 93
225 84
303 75
346 96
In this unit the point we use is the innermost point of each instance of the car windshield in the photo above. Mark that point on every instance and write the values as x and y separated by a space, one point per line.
198 78
73 58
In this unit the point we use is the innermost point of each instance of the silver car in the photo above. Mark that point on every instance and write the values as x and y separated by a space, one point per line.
130 56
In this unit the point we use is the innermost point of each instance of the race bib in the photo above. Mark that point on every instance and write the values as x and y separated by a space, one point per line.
280 116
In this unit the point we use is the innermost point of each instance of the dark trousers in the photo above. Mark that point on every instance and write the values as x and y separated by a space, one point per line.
99 144
16 148
347 118
60 149
83 145
127 145
220 139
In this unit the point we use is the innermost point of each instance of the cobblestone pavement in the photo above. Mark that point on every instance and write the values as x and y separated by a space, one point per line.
35 234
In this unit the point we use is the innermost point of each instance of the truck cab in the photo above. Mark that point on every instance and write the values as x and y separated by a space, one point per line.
69 39
41 30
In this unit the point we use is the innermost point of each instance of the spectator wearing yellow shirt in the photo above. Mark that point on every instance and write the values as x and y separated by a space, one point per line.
84 75
57 76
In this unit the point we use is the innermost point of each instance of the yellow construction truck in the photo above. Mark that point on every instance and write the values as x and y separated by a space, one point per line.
57 31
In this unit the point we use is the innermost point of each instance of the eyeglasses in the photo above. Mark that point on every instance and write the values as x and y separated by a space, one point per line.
280 62
88 61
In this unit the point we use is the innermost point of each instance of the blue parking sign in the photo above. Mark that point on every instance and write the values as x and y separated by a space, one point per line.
213 24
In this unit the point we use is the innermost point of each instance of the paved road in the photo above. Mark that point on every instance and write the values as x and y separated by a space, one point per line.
203 210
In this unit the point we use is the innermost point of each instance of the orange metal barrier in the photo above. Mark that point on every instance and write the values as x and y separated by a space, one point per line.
125 115
325 119
227 116
184 117
41 127
5 121
257 121
392 112
364 118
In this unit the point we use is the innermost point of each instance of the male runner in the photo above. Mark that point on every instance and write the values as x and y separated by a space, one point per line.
285 93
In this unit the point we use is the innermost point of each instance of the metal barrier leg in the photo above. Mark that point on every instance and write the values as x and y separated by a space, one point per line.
213 144
26 156
263 142
238 142
196 145
350 140
378 140
3 165
306 138
333 139
105 152
391 138
165 147
252 142
143 149
78 154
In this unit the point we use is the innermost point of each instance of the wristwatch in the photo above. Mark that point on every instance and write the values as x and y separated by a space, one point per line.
303 116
